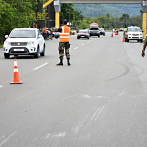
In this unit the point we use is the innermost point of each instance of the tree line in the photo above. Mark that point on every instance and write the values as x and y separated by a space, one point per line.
109 22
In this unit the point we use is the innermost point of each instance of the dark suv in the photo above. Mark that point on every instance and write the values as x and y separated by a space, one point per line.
94 31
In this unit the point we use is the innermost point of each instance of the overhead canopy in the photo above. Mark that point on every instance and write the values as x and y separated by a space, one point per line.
101 1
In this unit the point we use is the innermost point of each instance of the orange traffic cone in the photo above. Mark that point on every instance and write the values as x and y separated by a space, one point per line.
123 39
112 34
16 74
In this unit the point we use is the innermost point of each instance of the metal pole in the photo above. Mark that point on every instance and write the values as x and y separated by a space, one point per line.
57 19
144 24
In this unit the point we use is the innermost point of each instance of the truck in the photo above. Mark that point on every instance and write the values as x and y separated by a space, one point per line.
94 29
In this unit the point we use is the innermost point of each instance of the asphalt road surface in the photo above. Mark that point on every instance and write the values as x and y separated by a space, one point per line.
98 101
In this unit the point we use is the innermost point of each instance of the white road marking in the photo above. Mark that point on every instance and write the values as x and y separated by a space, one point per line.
40 66
80 125
62 134
99 96
76 48
99 113
95 114
47 136
86 96
83 44
1 86
7 138
138 99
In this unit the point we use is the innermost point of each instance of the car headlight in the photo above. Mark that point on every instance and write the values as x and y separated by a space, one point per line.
7 43
29 43
141 34
129 34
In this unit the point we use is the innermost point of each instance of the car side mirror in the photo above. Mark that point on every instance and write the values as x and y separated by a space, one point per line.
6 36
142 31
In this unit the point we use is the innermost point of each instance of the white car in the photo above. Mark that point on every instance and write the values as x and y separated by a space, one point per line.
133 33
121 29
24 41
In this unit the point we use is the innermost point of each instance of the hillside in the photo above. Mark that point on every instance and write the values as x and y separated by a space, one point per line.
93 10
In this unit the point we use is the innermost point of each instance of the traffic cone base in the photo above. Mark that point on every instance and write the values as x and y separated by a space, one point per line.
16 74
16 83
112 34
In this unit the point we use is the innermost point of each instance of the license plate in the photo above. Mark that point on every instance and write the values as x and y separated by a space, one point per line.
18 49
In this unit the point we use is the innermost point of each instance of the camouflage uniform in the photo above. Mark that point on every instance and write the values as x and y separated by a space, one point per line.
144 47
63 45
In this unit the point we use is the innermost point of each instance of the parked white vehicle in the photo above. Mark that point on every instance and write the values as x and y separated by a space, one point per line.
24 41
133 33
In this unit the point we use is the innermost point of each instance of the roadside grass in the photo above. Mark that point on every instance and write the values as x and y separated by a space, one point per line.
1 46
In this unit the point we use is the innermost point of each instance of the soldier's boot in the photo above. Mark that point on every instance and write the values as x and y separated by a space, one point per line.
60 63
68 61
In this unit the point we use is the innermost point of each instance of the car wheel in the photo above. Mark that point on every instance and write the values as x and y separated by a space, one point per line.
43 52
141 40
127 40
99 35
6 55
37 54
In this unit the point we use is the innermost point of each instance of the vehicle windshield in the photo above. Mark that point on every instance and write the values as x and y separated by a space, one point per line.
22 34
83 31
134 30
93 28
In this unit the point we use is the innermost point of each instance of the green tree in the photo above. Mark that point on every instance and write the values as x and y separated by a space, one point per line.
125 19
16 13
69 13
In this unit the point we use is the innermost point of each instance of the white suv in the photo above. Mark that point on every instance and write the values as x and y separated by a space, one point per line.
24 41
133 33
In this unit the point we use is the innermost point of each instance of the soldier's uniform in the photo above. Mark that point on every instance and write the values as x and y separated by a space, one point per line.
144 47
64 44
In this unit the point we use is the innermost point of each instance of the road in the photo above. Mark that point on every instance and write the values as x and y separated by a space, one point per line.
98 101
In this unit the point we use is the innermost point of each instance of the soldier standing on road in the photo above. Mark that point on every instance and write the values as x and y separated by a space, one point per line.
144 47
64 43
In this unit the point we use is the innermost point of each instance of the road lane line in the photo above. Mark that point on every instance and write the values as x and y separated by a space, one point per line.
99 113
40 66
7 138
83 44
1 86
76 48
95 113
